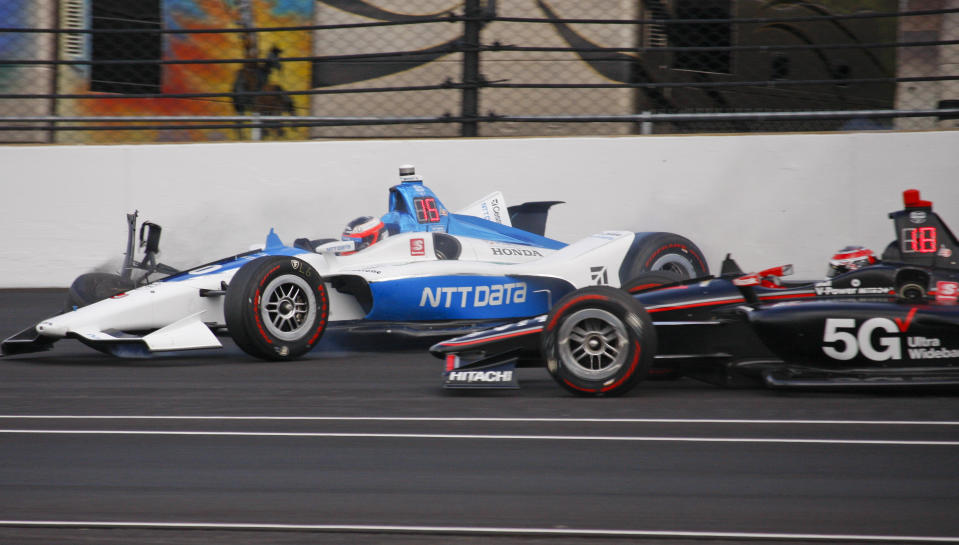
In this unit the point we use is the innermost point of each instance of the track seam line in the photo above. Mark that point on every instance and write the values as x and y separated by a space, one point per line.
486 419
606 438
474 530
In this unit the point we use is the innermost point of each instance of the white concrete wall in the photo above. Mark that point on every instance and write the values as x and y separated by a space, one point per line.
768 199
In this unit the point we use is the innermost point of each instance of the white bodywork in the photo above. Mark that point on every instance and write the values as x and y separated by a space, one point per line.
172 315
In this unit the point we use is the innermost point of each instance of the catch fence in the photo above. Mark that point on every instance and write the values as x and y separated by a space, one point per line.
114 71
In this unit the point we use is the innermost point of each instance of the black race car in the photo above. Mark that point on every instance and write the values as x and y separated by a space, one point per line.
892 321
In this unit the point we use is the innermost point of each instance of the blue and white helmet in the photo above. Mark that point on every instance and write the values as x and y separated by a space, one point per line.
365 231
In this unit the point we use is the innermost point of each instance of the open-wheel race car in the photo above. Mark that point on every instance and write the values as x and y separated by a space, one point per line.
418 270
872 322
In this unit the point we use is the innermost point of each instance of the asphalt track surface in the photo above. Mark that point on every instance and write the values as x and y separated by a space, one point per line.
353 446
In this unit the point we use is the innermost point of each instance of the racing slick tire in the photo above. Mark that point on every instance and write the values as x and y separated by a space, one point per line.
663 252
598 341
92 287
652 280
276 308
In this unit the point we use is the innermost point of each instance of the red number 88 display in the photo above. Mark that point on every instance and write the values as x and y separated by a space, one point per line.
919 240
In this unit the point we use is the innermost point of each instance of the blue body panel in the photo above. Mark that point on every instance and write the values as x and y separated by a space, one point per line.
402 219
463 297
273 247
434 298
470 226
402 216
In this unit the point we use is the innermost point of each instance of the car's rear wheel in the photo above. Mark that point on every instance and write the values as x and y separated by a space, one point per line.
276 308
666 252
649 281
598 341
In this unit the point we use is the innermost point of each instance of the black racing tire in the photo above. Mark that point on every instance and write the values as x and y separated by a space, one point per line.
664 252
92 287
649 281
276 308
598 341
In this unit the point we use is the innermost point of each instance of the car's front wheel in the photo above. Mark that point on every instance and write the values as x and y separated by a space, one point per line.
276 307
598 341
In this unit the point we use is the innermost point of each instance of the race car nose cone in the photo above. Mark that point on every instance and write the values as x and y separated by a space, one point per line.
52 328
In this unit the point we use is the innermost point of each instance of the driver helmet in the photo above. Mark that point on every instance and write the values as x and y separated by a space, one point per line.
364 231
850 258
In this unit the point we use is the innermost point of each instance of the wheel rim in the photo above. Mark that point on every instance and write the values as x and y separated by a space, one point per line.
912 292
593 344
288 307
674 263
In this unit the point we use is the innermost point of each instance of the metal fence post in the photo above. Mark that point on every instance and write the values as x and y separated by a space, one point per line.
471 73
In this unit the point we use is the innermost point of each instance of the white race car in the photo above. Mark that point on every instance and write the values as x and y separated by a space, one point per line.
418 269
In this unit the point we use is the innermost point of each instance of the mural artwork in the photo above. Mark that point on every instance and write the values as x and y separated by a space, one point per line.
187 79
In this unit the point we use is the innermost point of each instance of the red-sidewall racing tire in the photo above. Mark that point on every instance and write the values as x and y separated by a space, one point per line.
666 252
598 341
651 281
276 307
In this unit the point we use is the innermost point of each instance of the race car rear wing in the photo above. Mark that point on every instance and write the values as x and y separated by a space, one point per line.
531 216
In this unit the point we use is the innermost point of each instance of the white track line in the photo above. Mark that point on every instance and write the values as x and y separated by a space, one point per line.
486 419
475 530
485 437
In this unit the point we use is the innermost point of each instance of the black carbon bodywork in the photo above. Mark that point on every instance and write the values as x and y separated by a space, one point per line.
892 323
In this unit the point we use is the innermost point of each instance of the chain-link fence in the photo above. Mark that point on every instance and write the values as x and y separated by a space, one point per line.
102 71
